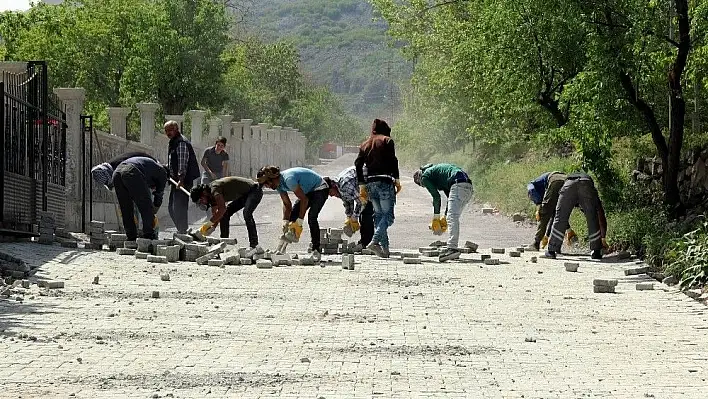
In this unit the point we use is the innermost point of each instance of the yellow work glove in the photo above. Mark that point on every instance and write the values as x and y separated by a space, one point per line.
207 228
397 183
571 237
435 226
296 227
538 214
363 194
443 224
286 226
544 241
354 224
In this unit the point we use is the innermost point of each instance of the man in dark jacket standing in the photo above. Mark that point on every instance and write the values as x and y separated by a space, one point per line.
184 168
382 182
133 180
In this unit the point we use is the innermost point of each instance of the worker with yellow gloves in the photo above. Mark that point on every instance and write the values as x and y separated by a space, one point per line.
359 216
240 193
311 191
457 186
378 155
543 192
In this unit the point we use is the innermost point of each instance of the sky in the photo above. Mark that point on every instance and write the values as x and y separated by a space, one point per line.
14 5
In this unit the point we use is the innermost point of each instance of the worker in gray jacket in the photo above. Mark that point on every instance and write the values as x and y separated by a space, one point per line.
579 190
133 180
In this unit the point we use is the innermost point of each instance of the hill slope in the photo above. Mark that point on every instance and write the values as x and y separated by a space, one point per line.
341 47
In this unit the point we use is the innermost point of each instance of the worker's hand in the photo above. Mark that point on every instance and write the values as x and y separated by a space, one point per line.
354 224
180 184
154 222
363 194
397 183
207 228
604 244
570 237
544 241
443 224
296 227
435 226
538 214
286 226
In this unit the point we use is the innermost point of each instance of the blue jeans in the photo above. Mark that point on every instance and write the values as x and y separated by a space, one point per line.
383 198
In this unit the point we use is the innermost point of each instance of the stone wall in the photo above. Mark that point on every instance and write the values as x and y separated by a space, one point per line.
250 146
692 177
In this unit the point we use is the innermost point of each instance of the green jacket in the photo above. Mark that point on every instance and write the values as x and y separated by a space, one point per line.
439 177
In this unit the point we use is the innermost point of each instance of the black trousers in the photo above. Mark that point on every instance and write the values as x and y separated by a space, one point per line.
248 203
366 223
131 187
316 200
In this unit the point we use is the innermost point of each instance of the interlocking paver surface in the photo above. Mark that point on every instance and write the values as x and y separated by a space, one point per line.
385 329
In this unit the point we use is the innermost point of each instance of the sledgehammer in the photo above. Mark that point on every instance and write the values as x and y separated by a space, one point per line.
197 235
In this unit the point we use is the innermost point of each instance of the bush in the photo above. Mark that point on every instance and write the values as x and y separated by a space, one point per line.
688 258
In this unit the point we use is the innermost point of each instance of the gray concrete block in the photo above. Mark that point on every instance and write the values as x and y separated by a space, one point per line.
601 289
487 211
231 258
25 283
348 262
229 241
636 271
186 238
485 256
170 252
144 244
216 262
601 282
515 254
165 277
645 286
307 261
155 294
498 250
520 249
264 264
431 254
491 261
571 266
409 255
54 284
197 248
437 244
412 261
130 244
534 259
423 249
471 245
156 259
246 261
126 251
95 280
191 256
118 237
93 246
281 260
69 244
212 240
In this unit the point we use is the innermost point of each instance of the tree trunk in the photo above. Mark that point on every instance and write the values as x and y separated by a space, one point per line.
552 107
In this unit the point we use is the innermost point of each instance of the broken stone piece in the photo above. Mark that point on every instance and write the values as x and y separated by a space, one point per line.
645 286
534 259
54 284
601 289
130 244
215 262
156 259
498 250
143 244
126 251
487 211
412 261
600 282
348 262
264 264
491 261
636 271
471 245
571 267
141 255
485 256
165 277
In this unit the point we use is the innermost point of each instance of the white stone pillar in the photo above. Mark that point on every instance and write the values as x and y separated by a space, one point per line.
235 145
177 118
73 100
256 151
263 149
147 122
277 147
117 117
226 126
197 129
302 151
287 144
247 148
213 131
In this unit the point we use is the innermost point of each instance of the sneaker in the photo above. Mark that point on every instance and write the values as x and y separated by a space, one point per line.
449 254
386 253
376 249
316 256
550 255
536 246
596 254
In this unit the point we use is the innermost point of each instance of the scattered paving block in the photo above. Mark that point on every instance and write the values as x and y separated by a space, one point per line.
170 252
93 246
437 244
601 289
329 251
520 249
141 255
130 244
25 283
412 261
246 261
348 262
281 260
156 259
118 237
54 284
264 264
491 261
212 240
487 211
636 271
143 244
571 266
472 246
183 237
156 294
95 280
430 254
645 286
197 235
307 261
216 262
515 254
622 255
197 248
534 259
165 277
126 251
232 258
465 250
409 255
498 250
485 256
601 282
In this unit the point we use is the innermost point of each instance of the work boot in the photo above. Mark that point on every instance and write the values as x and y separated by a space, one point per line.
449 254
596 254
536 246
550 255
376 249
386 253
316 256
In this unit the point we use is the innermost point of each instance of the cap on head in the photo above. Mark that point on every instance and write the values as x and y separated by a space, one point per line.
534 195
102 174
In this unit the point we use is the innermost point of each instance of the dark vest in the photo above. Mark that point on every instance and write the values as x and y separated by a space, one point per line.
192 164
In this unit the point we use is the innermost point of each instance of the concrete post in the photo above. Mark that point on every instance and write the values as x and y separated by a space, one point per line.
303 152
213 131
287 146
147 122
117 117
256 160
277 146
247 149
263 149
177 118
197 129
226 126
73 100
235 145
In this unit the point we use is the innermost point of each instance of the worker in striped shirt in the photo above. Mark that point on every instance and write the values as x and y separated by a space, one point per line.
359 217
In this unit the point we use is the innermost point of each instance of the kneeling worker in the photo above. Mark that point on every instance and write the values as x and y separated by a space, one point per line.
579 190
133 180
359 216
457 186
240 193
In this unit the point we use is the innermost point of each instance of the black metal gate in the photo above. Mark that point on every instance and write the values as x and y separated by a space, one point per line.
32 151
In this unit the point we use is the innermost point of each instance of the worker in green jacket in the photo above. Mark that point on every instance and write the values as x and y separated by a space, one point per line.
457 186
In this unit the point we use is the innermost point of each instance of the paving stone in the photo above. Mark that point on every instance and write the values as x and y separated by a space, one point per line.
307 261
53 284
430 254
409 255
264 264
25 283
141 255
212 240
130 244
534 259
118 237
437 244
95 280
604 282
412 261
487 211
571 266
485 256
93 246
601 289
144 244
126 251
472 246
165 276
170 252
186 238
498 250
199 249
636 271
520 249
281 260
645 286
491 261
216 262
348 262
232 258
156 259
515 254
155 294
